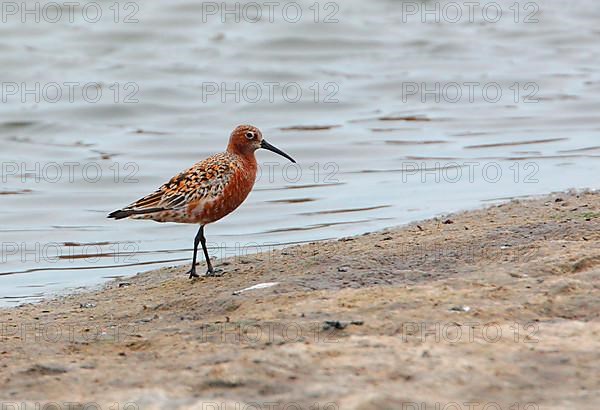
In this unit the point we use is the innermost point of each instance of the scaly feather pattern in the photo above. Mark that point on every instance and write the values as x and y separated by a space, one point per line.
190 196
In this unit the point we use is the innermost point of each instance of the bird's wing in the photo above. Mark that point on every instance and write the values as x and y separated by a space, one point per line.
204 180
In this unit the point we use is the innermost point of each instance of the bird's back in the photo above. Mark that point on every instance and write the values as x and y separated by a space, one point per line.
203 193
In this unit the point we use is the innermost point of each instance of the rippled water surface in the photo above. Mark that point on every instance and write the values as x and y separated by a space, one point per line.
379 132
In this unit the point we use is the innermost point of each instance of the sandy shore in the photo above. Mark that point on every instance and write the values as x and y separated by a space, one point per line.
496 306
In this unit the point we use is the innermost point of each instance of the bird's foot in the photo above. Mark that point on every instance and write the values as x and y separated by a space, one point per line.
192 273
214 273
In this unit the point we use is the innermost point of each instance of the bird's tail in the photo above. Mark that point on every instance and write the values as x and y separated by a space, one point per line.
126 213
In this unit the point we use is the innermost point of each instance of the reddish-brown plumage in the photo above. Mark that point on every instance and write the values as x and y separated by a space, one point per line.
207 191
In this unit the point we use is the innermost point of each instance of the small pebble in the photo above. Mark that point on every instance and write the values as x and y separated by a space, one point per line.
336 324
460 309
87 305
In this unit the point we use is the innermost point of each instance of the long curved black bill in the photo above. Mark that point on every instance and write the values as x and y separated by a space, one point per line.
264 144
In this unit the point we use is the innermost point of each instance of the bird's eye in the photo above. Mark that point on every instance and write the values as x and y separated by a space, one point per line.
250 135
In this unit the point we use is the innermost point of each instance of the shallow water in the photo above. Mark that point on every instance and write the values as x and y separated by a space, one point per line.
377 144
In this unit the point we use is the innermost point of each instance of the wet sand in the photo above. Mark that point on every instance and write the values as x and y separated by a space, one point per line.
490 306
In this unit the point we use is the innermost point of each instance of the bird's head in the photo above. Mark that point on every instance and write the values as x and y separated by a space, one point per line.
245 139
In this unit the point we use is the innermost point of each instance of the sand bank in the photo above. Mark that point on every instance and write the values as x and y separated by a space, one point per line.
499 305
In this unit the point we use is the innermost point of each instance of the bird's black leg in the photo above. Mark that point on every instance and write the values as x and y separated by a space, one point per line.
210 271
197 239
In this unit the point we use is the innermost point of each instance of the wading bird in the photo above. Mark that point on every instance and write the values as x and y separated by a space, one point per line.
206 192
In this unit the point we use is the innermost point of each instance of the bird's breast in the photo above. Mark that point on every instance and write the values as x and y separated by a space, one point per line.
234 192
